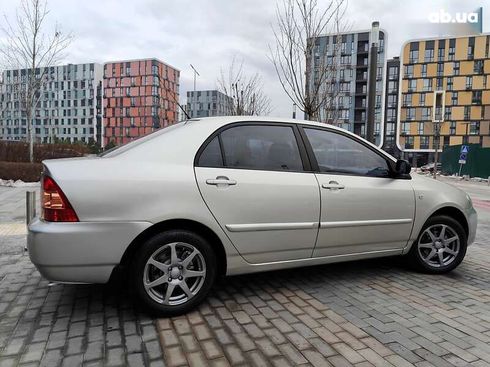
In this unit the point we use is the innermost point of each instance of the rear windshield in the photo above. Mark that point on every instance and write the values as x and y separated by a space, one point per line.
125 147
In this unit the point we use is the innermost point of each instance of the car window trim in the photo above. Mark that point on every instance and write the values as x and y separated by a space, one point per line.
314 162
305 161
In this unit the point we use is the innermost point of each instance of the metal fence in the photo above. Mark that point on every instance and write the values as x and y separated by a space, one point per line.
477 161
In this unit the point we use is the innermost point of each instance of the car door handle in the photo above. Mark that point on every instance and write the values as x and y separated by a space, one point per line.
333 185
221 180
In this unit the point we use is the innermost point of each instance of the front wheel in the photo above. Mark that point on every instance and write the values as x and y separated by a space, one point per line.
440 247
173 272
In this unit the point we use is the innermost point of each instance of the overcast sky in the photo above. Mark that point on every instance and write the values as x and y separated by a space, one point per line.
208 33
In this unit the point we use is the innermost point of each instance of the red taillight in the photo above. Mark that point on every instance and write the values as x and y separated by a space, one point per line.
54 204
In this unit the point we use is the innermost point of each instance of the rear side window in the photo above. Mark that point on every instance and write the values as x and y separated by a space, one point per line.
261 147
211 155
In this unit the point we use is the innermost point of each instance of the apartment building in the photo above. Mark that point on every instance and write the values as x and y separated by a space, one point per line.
348 59
391 106
68 107
205 103
457 70
140 96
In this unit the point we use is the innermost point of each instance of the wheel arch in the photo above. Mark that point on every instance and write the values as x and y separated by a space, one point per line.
178 224
455 213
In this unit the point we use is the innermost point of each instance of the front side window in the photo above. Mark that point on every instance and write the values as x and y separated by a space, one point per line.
338 154
261 147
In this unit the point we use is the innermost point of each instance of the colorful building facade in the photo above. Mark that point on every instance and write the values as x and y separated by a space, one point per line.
140 96
457 69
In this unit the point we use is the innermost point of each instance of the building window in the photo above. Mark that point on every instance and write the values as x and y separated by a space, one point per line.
392 86
467 112
420 129
407 99
469 82
426 113
440 69
451 53
422 99
412 85
424 70
475 128
413 56
393 72
452 128
447 113
409 142
471 51
427 85
424 142
449 83
454 98
439 84
476 97
409 71
440 54
456 68
478 67
429 55
410 113
405 128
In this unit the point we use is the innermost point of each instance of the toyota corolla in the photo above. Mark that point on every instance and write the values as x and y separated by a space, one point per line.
222 196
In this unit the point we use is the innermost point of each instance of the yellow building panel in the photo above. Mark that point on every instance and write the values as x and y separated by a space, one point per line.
429 99
475 112
420 84
486 142
417 71
457 113
431 69
466 67
459 83
478 81
464 98
480 44
406 53
404 85
484 127
461 48
455 140
415 99
485 97
416 142
448 99
413 129
474 139
445 128
462 127
486 66
448 68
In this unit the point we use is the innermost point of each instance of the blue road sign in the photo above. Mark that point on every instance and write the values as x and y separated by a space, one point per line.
465 148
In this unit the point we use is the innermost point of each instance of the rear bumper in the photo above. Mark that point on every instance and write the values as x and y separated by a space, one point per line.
81 252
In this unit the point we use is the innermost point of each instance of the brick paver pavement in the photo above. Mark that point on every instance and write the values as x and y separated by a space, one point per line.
360 313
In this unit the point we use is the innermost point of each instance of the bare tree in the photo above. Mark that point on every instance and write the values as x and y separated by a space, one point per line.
28 47
306 70
246 91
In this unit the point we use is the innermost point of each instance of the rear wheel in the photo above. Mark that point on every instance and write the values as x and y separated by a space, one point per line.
440 247
173 272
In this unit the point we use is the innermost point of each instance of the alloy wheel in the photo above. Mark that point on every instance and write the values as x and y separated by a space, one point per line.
439 245
174 273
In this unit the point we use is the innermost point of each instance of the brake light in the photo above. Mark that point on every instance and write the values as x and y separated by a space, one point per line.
54 204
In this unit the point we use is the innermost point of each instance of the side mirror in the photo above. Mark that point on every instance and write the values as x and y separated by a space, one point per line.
403 167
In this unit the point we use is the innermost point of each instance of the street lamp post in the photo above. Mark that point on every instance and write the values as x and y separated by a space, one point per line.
194 93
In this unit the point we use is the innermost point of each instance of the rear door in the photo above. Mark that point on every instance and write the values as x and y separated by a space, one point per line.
364 209
253 178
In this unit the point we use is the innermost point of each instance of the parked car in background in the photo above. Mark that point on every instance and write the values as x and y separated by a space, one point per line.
232 195
429 167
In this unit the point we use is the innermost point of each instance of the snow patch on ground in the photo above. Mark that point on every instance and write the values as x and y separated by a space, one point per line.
18 183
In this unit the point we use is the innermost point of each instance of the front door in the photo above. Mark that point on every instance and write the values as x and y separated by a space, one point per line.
253 180
364 209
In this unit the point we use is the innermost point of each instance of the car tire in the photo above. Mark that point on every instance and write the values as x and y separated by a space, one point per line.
442 251
173 272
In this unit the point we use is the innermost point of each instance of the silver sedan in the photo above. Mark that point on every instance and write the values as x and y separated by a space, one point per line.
222 196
